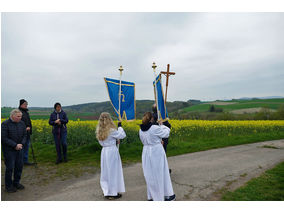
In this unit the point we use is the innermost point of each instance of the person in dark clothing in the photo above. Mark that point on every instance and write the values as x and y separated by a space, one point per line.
58 119
27 120
165 141
13 138
166 123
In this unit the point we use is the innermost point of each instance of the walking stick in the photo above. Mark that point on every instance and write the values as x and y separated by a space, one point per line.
34 158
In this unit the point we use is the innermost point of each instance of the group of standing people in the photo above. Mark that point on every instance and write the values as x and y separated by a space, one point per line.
16 140
153 136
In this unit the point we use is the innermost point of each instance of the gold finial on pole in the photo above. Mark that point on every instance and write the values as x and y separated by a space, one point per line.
120 68
154 66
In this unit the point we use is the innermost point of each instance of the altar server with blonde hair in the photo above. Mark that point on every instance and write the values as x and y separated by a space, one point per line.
111 180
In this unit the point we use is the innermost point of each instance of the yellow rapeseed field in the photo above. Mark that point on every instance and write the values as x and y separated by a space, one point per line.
83 132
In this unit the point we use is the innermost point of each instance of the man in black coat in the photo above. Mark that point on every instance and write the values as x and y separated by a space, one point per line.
27 120
58 119
165 141
13 139
166 123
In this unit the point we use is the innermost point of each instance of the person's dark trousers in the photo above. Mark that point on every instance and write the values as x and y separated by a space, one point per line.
60 141
26 150
14 164
166 141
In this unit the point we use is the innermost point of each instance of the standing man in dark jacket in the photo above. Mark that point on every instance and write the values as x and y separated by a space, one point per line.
165 141
13 138
23 107
166 123
58 119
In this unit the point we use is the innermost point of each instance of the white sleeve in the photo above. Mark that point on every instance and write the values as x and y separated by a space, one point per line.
141 136
119 133
162 131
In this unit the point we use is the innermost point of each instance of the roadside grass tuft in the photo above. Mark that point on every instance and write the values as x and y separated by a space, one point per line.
268 187
270 147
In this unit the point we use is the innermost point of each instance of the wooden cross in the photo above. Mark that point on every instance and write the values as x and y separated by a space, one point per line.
167 74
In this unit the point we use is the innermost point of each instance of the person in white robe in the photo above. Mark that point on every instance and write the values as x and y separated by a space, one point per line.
111 179
154 160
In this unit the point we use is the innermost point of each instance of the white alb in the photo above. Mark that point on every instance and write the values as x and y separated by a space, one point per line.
155 164
112 181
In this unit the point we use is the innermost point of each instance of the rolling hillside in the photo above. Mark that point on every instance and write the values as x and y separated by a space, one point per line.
241 109
91 111
234 106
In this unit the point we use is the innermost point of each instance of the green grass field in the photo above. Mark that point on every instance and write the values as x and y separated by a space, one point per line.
240 104
268 187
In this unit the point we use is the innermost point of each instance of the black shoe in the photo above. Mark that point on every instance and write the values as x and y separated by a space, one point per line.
113 197
11 189
150 200
170 171
170 198
19 186
118 196
28 163
58 161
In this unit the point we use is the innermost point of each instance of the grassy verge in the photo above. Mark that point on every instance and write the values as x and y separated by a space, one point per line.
82 159
267 187
182 146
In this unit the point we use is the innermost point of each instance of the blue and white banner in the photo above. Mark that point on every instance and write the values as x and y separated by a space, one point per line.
127 104
161 106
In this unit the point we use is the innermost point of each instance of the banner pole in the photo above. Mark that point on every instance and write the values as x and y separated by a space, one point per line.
119 96
155 83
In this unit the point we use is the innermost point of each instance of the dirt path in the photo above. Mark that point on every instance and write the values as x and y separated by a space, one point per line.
195 176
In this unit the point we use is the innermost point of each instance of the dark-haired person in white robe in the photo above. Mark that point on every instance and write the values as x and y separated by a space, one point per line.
154 162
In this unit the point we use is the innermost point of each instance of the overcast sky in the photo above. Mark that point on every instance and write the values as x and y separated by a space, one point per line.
50 57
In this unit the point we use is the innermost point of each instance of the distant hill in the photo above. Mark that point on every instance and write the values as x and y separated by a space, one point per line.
191 109
267 97
237 104
93 110
142 106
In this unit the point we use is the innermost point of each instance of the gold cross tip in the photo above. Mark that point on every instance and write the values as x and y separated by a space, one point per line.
120 68
154 65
